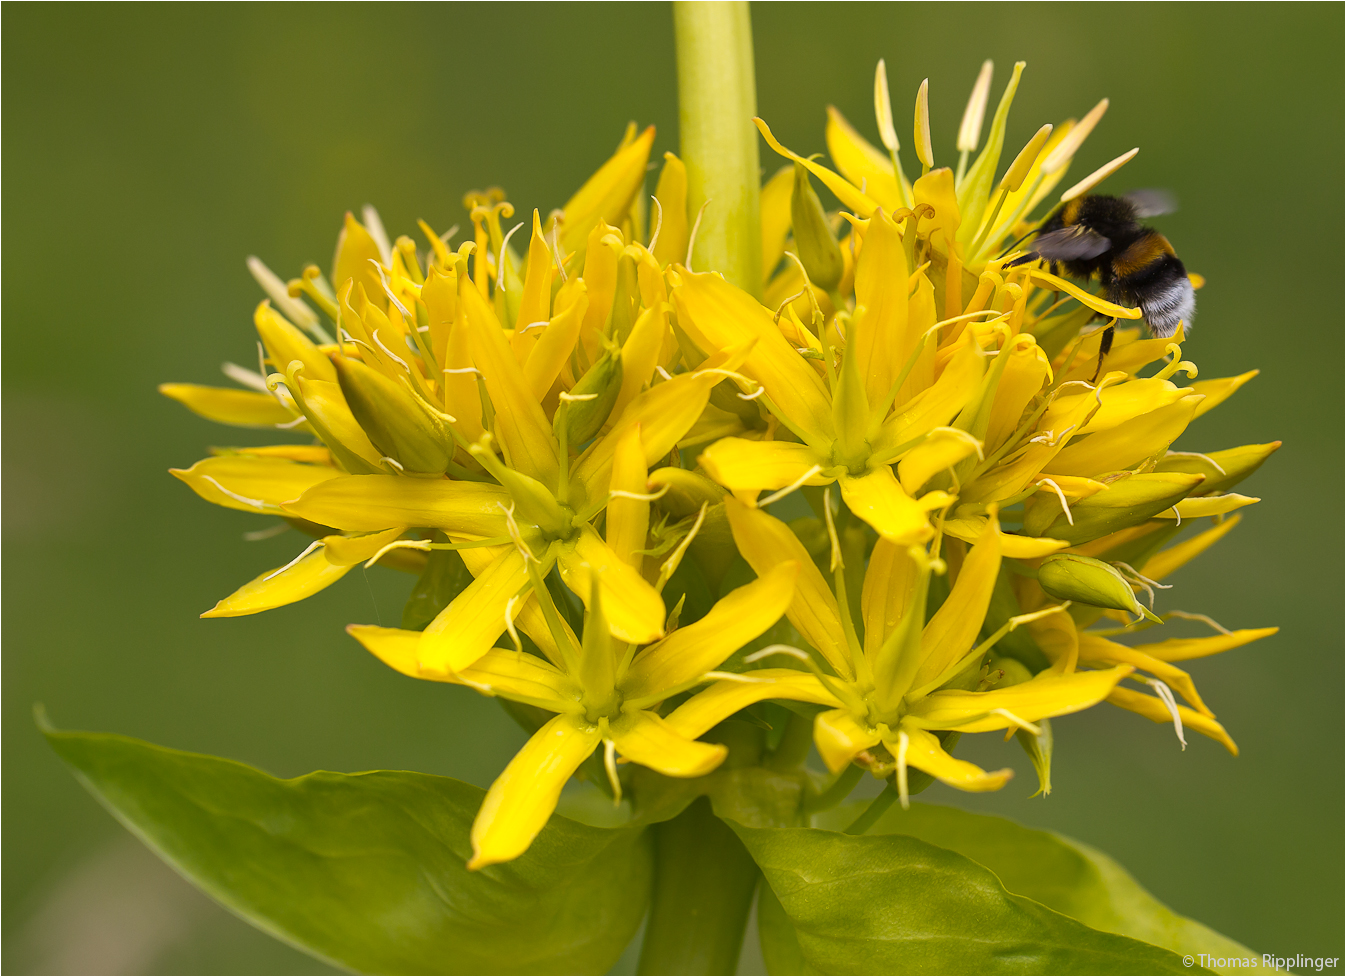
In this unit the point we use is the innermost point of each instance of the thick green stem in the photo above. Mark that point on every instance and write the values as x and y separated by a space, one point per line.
704 883
717 99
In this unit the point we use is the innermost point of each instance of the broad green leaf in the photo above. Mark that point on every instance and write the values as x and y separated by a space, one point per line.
368 871
1065 875
891 904
780 945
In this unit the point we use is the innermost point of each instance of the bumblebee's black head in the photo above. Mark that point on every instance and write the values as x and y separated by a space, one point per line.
1101 213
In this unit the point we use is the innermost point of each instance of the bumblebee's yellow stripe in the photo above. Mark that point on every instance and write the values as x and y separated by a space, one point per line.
1141 254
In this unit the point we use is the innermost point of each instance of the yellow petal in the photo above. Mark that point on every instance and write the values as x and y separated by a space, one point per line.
1218 391
1012 545
775 211
606 196
839 737
878 499
853 199
710 706
346 551
924 752
1206 505
309 454
553 348
628 519
1129 442
718 316
1183 649
634 609
862 163
535 302
1102 306
363 503
1026 370
252 483
356 248
935 406
879 338
226 405
740 464
1100 651
1058 638
1152 708
765 543
889 580
640 355
285 343
304 577
1121 402
942 448
523 429
466 629
671 193
523 797
328 415
953 630
647 739
691 651
500 671
1045 696
664 413
935 189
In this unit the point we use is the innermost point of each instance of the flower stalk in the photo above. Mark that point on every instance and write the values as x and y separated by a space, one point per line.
717 99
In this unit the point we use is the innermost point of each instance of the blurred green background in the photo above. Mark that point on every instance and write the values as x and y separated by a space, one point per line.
149 149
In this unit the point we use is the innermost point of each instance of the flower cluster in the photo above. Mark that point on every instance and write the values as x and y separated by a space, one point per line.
580 421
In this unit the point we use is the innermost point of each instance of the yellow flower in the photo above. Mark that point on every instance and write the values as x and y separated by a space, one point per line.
604 691
468 389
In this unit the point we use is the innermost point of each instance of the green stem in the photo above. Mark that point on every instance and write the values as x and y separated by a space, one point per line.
877 808
703 888
839 790
717 99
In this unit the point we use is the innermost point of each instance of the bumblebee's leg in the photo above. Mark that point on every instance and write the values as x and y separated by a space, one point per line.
1104 346
1023 259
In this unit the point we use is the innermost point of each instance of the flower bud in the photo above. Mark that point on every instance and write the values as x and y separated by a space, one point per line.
1084 580
586 408
1127 502
1223 469
397 425
817 248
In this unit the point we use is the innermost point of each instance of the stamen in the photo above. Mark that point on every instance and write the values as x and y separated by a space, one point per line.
279 293
394 462
659 224
570 398
883 109
311 547
664 373
1060 495
640 496
509 623
399 544
969 133
797 483
1177 515
1197 454
670 566
1021 723
555 248
1204 619
258 535
286 425
387 290
1098 176
390 354
374 225
1070 143
770 650
500 263
837 560
258 503
691 241
755 394
242 375
533 325
610 764
1171 704
903 794
465 369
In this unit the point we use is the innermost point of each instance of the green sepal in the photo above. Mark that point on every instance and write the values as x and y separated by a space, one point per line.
368 871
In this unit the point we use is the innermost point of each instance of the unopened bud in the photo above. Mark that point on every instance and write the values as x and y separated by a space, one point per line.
397 425
816 247
1223 469
586 407
1084 580
1127 502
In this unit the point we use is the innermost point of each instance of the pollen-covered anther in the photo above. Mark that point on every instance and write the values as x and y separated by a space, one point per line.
1165 695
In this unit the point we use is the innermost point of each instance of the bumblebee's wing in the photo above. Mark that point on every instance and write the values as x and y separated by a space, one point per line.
1151 203
1072 243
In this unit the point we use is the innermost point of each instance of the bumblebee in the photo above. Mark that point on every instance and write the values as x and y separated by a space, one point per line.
1101 236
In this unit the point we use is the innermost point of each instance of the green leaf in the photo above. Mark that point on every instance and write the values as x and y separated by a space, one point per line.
1067 876
444 578
368 871
891 904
